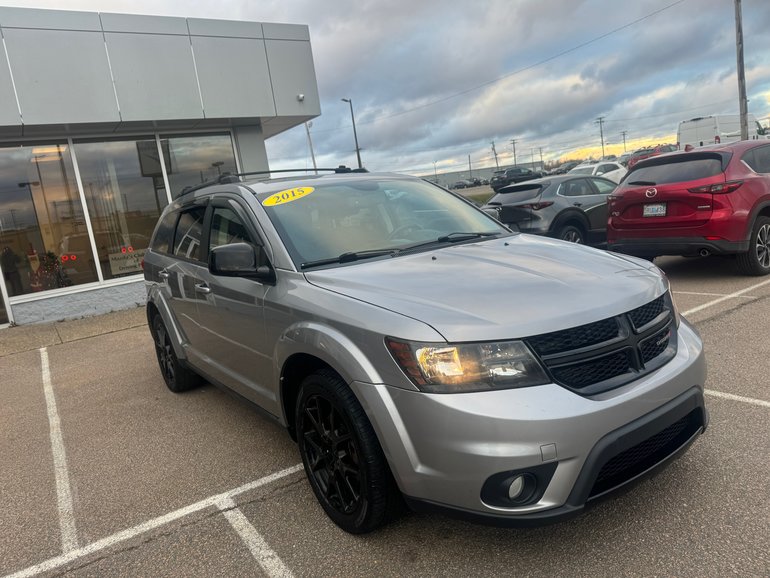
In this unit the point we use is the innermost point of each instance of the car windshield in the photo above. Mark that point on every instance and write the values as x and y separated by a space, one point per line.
345 221
582 171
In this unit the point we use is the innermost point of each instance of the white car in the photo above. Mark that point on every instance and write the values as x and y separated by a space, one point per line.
607 169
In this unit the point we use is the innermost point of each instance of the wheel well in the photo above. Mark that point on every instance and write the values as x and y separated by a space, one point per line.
152 311
296 368
573 220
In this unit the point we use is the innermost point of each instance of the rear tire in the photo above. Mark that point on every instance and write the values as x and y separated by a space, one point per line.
343 460
572 234
756 261
177 377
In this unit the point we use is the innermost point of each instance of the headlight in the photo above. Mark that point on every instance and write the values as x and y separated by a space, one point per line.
466 367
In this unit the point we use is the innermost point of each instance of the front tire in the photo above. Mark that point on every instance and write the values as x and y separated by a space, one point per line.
343 460
177 377
756 261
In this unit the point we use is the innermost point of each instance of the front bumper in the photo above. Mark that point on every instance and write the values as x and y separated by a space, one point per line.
442 448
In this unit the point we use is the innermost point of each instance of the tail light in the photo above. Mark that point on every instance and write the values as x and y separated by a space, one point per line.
536 206
65 258
717 188
717 139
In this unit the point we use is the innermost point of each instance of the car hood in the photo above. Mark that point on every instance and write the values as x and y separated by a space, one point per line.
505 288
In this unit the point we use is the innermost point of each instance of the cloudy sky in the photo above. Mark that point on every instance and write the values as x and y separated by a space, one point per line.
434 81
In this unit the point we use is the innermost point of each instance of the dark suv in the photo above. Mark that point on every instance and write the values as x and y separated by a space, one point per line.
514 175
569 207
715 199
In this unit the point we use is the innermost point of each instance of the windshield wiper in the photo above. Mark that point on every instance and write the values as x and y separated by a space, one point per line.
455 237
460 236
351 256
642 183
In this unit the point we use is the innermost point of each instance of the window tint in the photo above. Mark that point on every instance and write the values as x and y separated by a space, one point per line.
161 242
758 159
604 187
187 238
676 171
576 188
227 227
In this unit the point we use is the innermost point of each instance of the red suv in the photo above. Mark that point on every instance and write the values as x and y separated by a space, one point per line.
642 154
714 199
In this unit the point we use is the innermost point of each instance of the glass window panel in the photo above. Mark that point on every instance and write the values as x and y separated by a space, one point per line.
41 220
189 229
124 189
226 228
191 160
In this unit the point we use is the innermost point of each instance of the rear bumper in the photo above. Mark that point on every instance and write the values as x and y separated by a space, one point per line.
687 246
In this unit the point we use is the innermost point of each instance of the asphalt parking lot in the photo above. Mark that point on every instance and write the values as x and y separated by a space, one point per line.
106 473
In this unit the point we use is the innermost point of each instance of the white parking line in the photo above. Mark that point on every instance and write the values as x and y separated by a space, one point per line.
701 294
69 537
751 400
149 525
263 554
725 298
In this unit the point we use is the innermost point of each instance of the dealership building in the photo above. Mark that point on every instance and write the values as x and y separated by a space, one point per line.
104 119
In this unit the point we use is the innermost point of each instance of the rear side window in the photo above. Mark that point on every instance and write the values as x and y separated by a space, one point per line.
758 159
164 233
676 171
187 237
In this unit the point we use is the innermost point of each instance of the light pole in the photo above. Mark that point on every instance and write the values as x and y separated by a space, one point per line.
435 174
216 165
310 144
355 136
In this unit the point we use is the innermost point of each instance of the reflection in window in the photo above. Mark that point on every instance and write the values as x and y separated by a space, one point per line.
40 213
123 184
191 160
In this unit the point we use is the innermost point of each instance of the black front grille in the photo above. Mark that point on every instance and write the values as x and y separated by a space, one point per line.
641 457
641 316
655 345
580 375
599 356
575 338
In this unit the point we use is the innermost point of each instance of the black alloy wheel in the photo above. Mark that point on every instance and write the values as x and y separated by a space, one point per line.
571 233
342 456
756 261
176 377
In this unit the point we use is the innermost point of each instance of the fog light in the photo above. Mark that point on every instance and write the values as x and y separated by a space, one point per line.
516 487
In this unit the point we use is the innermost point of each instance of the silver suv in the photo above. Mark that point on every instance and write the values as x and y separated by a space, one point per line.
420 352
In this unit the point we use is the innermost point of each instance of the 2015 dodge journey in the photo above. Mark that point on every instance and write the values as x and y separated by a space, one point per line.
420 352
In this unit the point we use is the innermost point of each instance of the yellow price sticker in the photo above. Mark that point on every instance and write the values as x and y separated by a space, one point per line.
287 196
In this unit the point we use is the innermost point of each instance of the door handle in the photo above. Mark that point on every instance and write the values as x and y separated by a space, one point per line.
202 288
164 274
578 204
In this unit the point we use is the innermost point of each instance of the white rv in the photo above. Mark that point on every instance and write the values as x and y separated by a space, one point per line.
720 128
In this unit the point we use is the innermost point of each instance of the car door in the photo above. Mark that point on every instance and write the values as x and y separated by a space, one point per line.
233 332
595 206
181 273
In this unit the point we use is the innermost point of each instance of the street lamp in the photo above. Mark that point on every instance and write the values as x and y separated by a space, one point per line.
435 174
216 165
355 136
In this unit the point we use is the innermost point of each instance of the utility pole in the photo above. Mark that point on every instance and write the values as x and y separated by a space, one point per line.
310 144
744 106
435 173
600 122
624 133
541 158
532 158
513 144
495 153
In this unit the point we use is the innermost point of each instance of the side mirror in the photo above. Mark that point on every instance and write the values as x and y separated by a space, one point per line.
238 260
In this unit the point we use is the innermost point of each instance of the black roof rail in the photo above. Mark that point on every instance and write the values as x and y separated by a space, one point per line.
226 178
338 170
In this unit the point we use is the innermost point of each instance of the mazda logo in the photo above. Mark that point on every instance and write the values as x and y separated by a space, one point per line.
649 193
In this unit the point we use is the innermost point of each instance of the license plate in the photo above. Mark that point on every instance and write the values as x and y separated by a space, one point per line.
655 210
